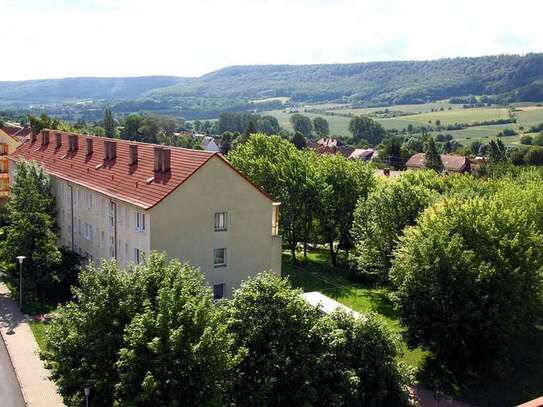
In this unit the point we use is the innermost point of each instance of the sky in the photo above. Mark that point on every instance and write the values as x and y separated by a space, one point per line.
69 38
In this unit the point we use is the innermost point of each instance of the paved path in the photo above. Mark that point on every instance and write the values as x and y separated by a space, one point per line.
10 393
37 389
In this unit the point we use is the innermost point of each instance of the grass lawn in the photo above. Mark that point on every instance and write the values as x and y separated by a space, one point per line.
39 329
317 274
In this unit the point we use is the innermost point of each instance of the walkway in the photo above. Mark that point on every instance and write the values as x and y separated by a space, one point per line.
37 389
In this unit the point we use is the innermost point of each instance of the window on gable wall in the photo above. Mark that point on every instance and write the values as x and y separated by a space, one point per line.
140 222
220 221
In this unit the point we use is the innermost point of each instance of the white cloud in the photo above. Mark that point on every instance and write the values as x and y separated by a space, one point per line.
60 38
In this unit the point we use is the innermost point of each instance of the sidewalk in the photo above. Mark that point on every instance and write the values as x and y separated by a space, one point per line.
37 389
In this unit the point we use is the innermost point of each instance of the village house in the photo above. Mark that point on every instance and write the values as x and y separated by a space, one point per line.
451 163
8 143
119 199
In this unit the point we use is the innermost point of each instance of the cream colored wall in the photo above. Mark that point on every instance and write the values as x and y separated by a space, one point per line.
10 141
183 225
93 209
12 144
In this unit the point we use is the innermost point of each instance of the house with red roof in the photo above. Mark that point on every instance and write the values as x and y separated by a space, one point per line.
451 163
119 199
8 143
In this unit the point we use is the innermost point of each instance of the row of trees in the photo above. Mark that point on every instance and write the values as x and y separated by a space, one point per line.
462 255
318 194
154 336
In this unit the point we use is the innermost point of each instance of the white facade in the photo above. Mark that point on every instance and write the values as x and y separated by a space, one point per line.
96 226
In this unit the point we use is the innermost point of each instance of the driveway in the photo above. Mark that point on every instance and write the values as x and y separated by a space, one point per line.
10 393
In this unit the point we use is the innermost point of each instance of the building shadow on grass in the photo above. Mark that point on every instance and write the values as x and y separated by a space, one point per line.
516 377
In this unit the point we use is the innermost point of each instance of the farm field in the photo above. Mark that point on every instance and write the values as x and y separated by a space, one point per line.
527 116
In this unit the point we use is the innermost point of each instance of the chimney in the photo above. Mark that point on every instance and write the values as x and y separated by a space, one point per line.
89 146
73 142
58 139
44 137
132 154
166 160
110 150
33 137
162 159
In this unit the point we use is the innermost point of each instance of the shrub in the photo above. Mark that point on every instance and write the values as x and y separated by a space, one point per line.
526 140
534 156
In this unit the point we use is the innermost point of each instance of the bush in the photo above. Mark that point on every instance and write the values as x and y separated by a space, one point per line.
534 156
516 157
538 139
468 275
526 140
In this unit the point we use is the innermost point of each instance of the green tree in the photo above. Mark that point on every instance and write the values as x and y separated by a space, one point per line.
356 363
344 183
84 340
276 166
391 151
380 220
365 128
131 126
268 125
301 124
534 156
526 139
37 124
109 123
497 151
291 355
299 141
272 324
176 349
432 159
538 139
30 229
321 127
468 276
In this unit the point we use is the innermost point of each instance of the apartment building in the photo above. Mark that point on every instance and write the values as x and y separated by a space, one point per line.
119 199
8 144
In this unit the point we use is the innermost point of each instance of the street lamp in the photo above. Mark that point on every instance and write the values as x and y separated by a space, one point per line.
86 389
21 259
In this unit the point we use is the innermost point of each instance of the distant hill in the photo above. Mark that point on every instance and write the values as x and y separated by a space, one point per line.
507 77
77 89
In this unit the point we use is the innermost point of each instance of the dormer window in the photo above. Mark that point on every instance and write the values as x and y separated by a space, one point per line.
110 150
73 142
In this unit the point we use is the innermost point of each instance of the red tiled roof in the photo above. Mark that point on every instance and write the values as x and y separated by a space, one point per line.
451 162
114 178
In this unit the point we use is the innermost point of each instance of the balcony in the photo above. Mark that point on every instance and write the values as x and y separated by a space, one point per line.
4 194
4 175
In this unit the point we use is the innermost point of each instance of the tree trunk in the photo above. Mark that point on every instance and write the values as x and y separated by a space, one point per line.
305 248
332 253
293 252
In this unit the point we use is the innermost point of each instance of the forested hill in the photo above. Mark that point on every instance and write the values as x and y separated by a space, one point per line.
374 82
510 77
68 89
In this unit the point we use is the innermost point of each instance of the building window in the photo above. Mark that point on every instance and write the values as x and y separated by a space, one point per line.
218 291
87 231
275 220
138 256
219 257
140 222
220 221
